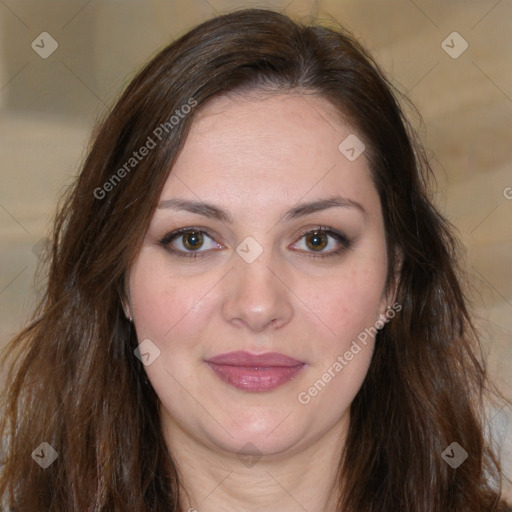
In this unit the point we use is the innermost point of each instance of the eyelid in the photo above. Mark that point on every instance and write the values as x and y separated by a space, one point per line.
173 235
342 239
169 237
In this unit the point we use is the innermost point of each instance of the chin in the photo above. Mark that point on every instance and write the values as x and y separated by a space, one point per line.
256 443
269 433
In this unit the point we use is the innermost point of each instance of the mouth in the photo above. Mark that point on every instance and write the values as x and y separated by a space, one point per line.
255 372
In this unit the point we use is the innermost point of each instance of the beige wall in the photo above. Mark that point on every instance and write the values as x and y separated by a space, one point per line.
48 107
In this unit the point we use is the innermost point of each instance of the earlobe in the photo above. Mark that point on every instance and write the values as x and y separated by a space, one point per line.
126 303
389 306
127 311
396 278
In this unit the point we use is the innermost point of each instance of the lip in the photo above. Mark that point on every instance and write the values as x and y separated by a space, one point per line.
255 372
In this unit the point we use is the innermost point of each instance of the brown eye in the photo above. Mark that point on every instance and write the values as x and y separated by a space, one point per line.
192 240
322 242
190 243
316 240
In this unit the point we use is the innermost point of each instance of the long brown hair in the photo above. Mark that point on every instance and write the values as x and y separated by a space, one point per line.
73 380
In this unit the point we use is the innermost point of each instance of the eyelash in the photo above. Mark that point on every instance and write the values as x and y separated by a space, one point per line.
339 237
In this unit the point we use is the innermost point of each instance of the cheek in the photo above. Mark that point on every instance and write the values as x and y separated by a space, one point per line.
350 302
154 293
347 310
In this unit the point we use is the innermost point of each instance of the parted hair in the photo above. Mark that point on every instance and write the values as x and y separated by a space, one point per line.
73 380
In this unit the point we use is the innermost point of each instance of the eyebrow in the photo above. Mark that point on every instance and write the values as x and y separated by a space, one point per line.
212 211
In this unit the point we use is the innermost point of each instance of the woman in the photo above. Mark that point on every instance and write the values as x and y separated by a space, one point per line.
251 302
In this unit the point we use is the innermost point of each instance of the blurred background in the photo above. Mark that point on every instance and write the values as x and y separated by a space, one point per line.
62 62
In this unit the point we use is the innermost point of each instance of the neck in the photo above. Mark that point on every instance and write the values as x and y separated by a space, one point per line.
215 480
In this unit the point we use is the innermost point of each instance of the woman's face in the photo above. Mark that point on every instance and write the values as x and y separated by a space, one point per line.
282 252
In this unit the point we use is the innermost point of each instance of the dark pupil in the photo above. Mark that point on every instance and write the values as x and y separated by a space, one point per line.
316 241
192 240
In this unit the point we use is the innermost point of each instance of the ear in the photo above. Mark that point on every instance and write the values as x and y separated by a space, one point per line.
126 308
388 301
126 301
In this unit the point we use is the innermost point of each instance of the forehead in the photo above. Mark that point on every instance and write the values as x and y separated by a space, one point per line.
268 148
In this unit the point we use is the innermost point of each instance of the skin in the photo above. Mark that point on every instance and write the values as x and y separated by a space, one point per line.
256 157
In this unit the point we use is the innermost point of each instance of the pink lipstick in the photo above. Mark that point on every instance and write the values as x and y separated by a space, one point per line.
255 372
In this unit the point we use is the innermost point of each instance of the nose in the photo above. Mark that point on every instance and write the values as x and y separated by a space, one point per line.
256 295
